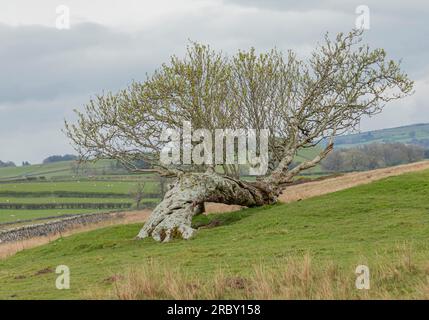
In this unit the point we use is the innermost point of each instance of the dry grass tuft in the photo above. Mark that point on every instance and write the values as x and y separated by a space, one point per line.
297 278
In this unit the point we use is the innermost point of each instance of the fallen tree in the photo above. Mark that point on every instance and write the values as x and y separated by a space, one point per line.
294 104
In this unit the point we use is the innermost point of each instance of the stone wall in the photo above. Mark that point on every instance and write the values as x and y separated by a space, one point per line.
55 227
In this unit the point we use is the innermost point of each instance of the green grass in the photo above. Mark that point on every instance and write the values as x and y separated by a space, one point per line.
309 154
85 191
42 200
7 215
120 187
362 225
51 169
19 215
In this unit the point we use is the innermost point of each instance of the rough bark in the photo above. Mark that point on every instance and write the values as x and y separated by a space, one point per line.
172 218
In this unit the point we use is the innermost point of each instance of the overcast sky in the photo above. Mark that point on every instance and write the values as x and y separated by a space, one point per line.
45 72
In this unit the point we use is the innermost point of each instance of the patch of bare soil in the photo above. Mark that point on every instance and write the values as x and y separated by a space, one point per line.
212 207
348 180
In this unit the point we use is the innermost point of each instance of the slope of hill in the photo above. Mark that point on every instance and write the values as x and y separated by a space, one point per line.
383 225
328 184
70 170
415 134
59 169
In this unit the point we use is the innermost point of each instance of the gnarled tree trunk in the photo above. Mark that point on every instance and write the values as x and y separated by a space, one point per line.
172 218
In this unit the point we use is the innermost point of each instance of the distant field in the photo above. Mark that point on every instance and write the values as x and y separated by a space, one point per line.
54 190
309 154
40 197
64 200
406 134
18 215
121 187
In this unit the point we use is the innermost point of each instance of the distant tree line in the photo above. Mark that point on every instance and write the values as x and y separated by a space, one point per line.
7 164
58 158
373 156
421 142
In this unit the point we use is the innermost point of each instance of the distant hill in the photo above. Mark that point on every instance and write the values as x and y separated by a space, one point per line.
417 134
7 164
59 158
62 169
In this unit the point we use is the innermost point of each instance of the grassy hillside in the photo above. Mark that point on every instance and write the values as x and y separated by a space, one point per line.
309 154
34 170
384 225
417 134
57 169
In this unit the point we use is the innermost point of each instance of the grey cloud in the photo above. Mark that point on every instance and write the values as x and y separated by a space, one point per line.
41 63
45 72
411 7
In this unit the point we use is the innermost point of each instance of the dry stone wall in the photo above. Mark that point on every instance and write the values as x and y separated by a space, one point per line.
55 227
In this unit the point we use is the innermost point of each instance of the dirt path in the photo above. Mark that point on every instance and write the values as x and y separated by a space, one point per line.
292 193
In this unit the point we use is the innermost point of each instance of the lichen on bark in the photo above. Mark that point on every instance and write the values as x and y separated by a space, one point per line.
172 218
